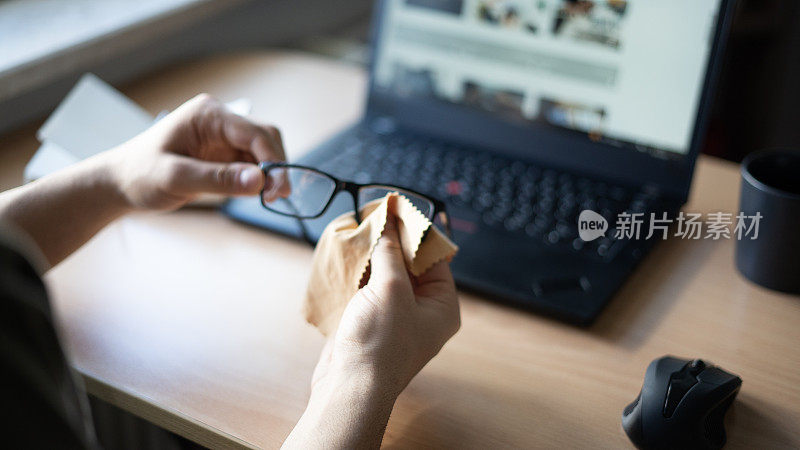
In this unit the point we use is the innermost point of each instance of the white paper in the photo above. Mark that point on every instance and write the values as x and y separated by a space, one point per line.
93 117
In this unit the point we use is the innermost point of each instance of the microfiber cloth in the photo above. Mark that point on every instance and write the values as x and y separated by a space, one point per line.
341 259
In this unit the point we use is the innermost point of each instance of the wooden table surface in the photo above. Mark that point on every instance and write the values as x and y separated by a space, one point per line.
193 321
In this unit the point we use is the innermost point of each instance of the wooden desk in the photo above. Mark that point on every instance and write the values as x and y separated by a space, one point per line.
193 321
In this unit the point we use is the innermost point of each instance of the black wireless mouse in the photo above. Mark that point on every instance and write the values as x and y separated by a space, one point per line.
681 405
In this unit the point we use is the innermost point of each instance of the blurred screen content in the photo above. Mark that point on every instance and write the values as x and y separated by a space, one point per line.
627 73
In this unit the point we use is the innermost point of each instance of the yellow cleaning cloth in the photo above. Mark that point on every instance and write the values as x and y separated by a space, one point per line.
341 259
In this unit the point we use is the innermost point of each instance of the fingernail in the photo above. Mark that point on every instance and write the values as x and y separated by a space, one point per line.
250 177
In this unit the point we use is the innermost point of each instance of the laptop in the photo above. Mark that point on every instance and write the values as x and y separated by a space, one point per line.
523 115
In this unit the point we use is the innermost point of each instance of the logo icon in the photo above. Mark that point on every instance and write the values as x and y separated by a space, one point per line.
591 225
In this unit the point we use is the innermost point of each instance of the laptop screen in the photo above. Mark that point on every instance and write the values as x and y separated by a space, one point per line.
626 73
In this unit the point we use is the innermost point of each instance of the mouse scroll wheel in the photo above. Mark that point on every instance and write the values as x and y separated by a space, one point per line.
696 366
679 384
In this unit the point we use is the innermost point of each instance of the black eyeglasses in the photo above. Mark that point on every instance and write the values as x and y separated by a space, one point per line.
306 193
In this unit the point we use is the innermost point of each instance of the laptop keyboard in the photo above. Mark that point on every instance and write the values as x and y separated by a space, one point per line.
509 195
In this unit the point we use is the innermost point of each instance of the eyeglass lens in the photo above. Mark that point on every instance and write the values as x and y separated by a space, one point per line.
297 191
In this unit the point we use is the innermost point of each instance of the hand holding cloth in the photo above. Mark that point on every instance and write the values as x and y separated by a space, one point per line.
341 259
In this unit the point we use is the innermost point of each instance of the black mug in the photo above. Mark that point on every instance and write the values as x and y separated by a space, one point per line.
771 188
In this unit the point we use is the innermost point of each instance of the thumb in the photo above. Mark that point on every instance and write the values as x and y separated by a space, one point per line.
387 264
192 176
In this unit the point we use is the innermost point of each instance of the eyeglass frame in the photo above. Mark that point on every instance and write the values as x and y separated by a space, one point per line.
351 187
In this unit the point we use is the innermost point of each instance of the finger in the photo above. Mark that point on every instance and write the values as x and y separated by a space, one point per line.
213 123
435 280
387 264
277 139
439 272
264 142
245 157
191 176
276 185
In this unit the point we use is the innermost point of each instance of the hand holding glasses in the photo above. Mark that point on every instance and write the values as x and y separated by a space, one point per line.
306 193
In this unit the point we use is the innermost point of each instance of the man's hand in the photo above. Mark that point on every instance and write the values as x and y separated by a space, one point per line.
201 147
395 324
388 333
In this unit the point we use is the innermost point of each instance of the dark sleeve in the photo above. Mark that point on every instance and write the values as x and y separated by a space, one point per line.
43 405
